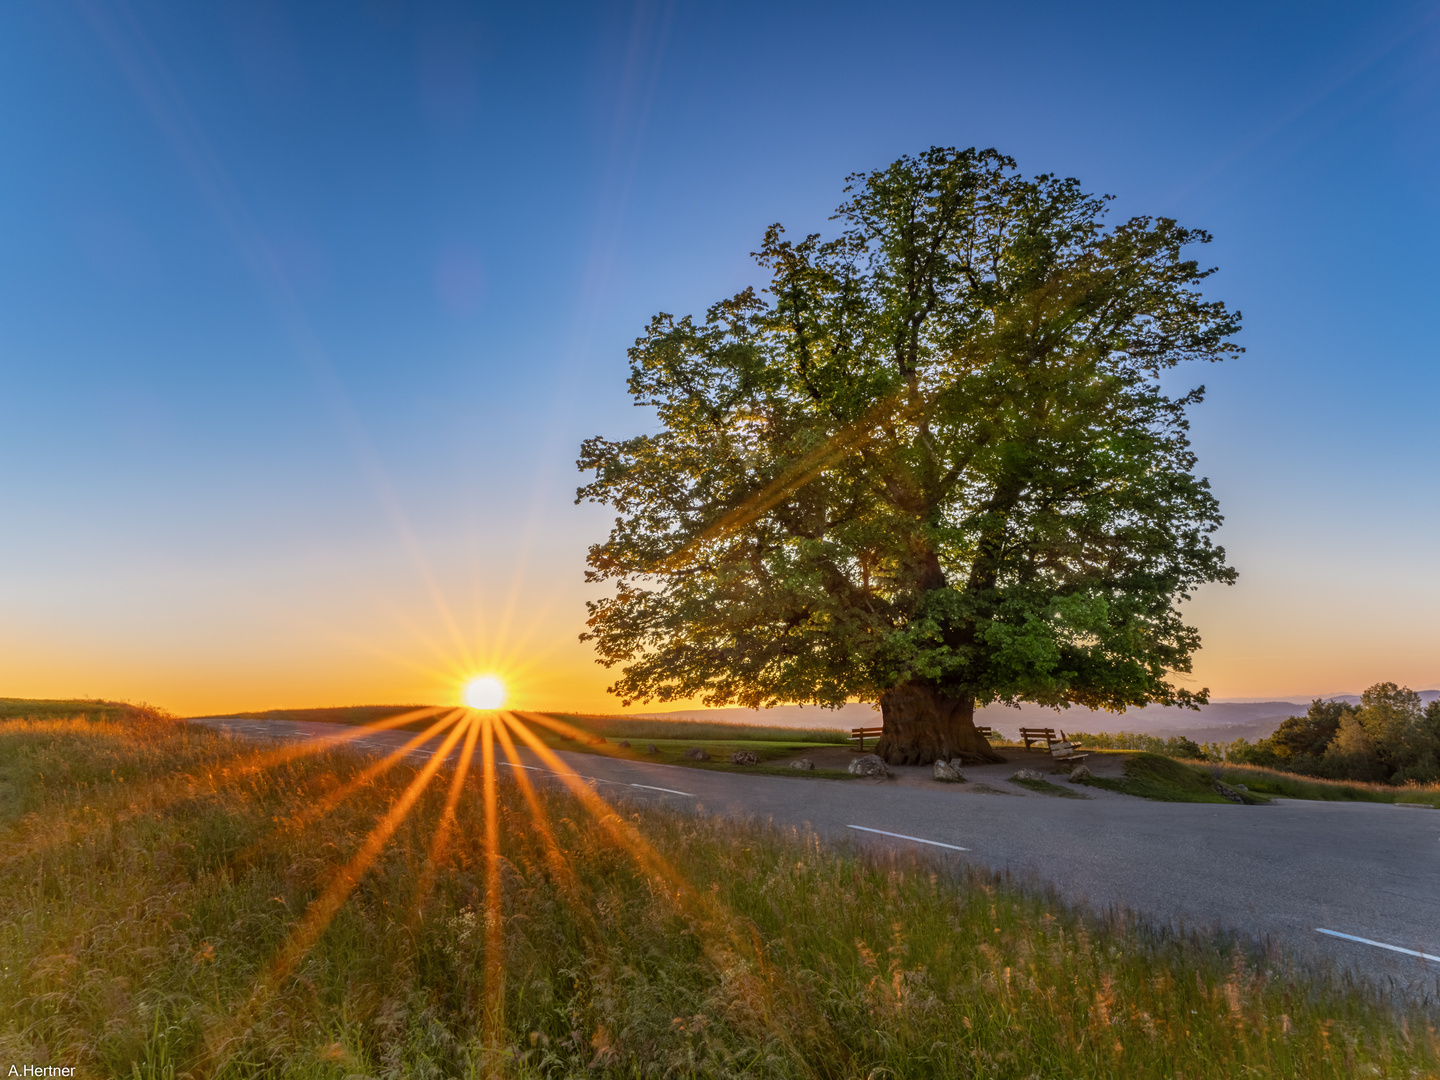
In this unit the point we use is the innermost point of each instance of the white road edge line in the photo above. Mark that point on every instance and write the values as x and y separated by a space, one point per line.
1377 944
902 836
671 791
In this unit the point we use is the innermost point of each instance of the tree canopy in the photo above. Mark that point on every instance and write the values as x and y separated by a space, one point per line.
933 456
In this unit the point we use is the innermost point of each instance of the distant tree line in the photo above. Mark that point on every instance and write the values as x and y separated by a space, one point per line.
1177 746
1389 738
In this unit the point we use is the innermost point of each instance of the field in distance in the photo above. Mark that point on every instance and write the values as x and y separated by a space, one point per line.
775 746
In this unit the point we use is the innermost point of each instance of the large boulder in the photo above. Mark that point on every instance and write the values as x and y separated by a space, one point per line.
1027 774
869 765
1225 791
696 753
947 773
802 763
744 757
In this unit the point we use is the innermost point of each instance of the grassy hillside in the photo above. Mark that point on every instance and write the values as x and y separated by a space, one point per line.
1295 786
178 903
90 708
1163 779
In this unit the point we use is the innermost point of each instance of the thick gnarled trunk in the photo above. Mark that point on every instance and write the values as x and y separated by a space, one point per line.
922 724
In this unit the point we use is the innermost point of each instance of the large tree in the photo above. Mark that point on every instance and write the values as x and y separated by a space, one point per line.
933 465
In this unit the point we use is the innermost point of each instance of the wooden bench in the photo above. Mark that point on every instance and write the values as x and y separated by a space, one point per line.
1063 750
1038 735
860 734
863 733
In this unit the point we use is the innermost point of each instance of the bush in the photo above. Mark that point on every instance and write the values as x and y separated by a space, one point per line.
1388 739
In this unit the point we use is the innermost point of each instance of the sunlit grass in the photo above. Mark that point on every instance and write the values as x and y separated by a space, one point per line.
1296 786
562 936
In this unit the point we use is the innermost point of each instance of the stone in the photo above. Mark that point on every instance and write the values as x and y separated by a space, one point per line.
947 773
744 757
1080 772
624 744
595 740
1227 792
869 765
1027 774
652 749
802 763
696 753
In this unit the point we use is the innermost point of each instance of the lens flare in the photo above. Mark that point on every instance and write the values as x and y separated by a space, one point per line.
485 692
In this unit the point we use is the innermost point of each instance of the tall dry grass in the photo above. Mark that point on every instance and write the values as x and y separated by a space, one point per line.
153 875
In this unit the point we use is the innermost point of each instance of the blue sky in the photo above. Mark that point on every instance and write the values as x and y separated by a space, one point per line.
305 308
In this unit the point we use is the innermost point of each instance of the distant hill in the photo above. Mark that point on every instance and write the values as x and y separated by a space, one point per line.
1220 721
339 714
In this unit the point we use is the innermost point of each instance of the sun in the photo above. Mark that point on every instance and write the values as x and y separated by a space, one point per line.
485 692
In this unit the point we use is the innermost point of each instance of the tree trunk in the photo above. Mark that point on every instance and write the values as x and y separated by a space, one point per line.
922 724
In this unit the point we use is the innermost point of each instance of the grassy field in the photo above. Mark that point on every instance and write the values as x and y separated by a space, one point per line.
775 757
772 746
178 904
1163 779
776 747
633 728
637 728
92 709
346 714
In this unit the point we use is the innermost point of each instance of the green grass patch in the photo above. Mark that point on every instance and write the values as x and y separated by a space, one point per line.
775 755
1163 779
650 730
158 872
1044 787
1294 786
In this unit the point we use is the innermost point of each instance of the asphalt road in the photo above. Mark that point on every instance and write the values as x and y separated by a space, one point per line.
1277 873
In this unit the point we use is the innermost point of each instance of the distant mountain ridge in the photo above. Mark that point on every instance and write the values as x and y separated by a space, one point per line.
1220 721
